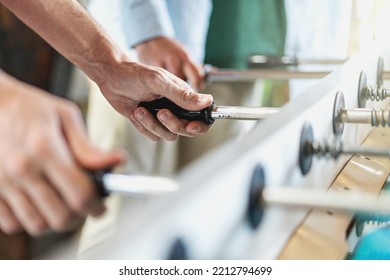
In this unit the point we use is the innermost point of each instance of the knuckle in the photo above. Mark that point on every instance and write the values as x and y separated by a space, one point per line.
17 166
62 222
38 144
186 95
80 202
159 75
72 111
11 227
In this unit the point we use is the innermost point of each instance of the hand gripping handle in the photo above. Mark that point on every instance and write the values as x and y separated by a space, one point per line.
203 115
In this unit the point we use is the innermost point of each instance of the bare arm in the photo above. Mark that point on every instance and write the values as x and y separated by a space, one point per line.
68 27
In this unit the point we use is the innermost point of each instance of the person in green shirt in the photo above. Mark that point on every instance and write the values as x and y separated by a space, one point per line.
238 29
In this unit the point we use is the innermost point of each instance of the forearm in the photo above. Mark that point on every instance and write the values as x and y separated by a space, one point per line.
71 30
68 27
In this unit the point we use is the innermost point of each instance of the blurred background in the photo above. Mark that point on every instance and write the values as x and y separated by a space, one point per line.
26 56
302 30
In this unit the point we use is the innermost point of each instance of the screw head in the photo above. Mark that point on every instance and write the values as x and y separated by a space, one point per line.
178 250
338 105
255 203
362 89
305 155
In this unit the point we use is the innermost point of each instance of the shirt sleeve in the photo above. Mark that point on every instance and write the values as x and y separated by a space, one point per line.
143 20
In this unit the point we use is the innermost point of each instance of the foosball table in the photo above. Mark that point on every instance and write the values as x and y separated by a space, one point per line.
307 182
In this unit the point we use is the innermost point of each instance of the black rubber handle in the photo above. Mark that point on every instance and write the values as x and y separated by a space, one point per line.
203 115
97 178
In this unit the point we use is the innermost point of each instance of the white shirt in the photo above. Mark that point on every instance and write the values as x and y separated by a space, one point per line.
131 22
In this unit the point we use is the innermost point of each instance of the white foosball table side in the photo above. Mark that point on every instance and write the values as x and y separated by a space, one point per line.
208 216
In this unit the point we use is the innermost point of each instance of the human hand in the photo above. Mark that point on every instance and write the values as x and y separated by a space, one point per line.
169 54
124 83
129 83
44 152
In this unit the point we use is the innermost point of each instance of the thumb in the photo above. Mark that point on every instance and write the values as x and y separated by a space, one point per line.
182 95
83 151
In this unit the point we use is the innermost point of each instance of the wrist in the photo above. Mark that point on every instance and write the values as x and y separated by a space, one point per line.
101 60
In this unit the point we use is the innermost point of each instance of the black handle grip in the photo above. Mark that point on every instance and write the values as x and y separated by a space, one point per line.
97 178
203 115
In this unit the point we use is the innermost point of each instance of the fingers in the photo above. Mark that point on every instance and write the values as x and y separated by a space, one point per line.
23 213
184 96
9 224
137 119
85 154
32 204
48 203
35 204
167 127
163 83
180 126
180 93
149 126
43 183
75 187
51 155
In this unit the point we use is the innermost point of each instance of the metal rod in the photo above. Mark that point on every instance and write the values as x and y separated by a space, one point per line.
216 75
317 61
243 113
138 184
375 117
386 75
268 61
365 152
336 148
351 201
231 75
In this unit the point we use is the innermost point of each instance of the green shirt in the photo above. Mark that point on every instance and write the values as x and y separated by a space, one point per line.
239 28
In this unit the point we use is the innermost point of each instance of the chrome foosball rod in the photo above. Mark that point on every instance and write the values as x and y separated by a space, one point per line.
341 115
336 148
262 61
309 148
210 114
372 116
344 200
107 182
269 67
375 117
